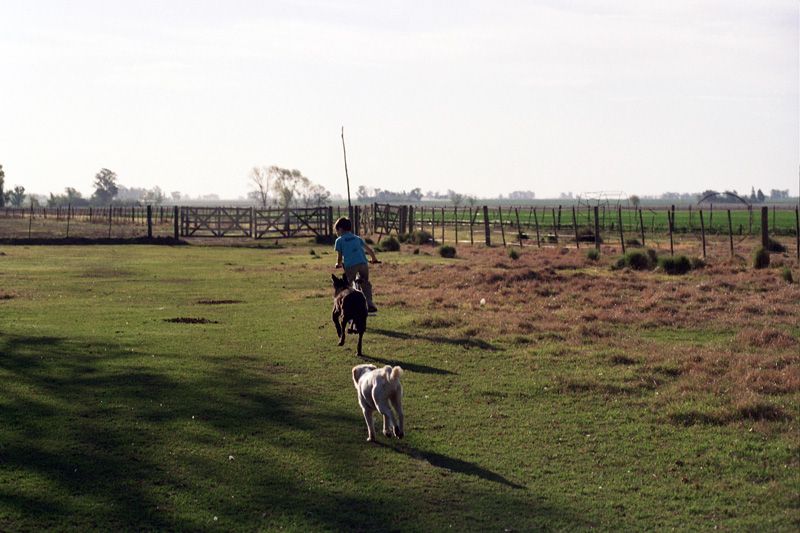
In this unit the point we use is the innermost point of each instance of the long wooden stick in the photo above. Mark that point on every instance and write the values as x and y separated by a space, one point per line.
346 175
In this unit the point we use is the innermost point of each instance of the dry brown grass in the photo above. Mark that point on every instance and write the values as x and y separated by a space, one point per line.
726 330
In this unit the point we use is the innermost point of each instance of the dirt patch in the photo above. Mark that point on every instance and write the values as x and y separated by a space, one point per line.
190 320
7 296
218 302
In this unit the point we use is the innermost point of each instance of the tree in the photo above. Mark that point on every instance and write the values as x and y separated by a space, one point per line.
176 196
286 184
105 184
154 196
2 184
17 196
315 195
456 198
261 178
635 200
760 195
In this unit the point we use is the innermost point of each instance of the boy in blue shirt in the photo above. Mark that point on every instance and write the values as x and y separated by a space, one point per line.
351 255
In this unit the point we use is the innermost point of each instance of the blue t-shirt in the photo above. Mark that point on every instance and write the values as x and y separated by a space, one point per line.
352 248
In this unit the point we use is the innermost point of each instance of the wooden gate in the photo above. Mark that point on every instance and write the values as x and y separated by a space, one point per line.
293 222
216 221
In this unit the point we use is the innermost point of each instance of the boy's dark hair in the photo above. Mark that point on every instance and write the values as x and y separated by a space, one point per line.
344 224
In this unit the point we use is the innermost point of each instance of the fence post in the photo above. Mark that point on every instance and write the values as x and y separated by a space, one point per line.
671 224
703 232
519 227
471 221
443 225
149 221
641 226
110 214
730 230
175 221
575 227
455 212
555 230
621 235
597 228
30 221
765 227
797 229
90 215
487 231
502 231
69 212
536 223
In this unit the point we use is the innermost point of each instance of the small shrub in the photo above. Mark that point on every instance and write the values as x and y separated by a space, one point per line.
312 252
593 254
637 260
447 251
420 237
653 256
324 239
698 263
513 254
416 251
403 237
775 246
761 258
786 274
675 265
633 243
390 244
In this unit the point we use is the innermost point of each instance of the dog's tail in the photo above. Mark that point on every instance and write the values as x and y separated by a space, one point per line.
394 375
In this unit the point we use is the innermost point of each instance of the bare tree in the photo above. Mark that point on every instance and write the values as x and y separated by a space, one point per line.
287 183
261 178
2 184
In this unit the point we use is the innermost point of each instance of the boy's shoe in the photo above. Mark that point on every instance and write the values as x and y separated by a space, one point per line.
372 309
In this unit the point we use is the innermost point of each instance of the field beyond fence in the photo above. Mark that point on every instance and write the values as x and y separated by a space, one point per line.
691 228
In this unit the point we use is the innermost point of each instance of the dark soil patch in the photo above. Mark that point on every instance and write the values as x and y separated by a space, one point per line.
6 296
218 302
190 320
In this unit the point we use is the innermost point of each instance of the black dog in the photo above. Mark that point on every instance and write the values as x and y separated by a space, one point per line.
349 305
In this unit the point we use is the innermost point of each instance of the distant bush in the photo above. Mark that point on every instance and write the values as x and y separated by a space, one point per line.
513 254
637 260
786 274
761 258
390 244
675 265
698 263
593 254
447 251
775 246
324 239
420 237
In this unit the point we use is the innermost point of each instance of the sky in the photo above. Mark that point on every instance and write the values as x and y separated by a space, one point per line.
482 97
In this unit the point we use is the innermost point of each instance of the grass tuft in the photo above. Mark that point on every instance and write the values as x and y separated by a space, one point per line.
447 251
761 258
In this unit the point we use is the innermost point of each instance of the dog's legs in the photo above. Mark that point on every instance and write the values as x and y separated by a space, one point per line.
335 317
397 400
368 419
361 326
343 329
386 412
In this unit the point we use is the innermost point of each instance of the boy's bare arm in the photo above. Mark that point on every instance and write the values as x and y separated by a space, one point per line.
338 260
371 252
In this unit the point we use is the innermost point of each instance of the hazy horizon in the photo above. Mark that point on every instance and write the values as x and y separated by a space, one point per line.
551 96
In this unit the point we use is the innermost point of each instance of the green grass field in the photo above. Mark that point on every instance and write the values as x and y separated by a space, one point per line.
201 388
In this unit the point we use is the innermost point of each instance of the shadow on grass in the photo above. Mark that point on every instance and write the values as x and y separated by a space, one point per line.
452 464
406 365
464 342
98 436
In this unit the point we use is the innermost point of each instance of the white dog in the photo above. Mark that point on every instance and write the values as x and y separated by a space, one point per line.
380 389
